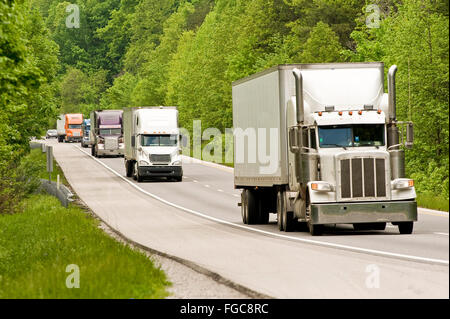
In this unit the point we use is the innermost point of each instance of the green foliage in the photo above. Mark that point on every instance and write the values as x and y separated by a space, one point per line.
415 37
188 52
28 67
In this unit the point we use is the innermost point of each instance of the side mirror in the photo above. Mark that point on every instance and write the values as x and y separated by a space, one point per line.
294 144
409 135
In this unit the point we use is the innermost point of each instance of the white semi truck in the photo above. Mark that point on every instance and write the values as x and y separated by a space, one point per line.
321 144
152 143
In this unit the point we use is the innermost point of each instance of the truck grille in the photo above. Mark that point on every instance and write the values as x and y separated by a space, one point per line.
160 158
363 178
111 144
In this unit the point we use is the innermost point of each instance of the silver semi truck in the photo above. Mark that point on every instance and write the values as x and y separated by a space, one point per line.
321 144
106 133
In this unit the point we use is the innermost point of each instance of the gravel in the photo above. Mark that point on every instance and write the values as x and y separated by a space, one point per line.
186 282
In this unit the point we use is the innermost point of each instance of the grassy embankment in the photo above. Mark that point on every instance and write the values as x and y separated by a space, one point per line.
37 244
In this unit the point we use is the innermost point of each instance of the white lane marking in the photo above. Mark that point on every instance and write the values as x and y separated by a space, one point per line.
207 186
443 234
195 181
310 241
220 190
236 195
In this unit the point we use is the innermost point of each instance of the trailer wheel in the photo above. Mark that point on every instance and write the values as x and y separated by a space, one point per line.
406 228
252 207
129 168
244 207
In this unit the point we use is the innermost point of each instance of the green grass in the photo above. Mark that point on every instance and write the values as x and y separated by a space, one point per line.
432 202
38 244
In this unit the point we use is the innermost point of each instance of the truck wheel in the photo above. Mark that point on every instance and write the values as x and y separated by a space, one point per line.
285 218
406 228
244 207
138 177
252 207
129 168
315 230
281 206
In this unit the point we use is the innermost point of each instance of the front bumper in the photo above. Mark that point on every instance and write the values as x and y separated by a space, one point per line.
117 152
76 139
374 212
161 171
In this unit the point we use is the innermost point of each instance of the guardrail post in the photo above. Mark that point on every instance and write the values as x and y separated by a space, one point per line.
49 162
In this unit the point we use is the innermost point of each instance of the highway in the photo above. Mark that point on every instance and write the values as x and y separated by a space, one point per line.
199 220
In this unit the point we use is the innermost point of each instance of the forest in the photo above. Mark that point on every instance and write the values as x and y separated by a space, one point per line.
62 57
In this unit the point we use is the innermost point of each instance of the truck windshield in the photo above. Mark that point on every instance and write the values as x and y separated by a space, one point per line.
351 135
110 131
75 126
159 140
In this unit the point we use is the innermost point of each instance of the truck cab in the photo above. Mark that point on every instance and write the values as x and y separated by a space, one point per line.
86 128
72 127
107 133
152 143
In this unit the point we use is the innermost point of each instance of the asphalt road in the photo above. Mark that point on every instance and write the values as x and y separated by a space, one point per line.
199 220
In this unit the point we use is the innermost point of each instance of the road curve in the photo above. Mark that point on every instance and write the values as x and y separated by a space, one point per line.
292 265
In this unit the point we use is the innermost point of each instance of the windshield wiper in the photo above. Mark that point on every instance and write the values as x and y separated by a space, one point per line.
337 145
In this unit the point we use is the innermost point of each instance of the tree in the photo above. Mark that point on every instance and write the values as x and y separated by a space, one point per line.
322 46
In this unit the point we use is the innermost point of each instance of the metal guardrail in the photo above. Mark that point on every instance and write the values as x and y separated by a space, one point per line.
62 193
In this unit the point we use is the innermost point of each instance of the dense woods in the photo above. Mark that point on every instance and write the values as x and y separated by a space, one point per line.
187 53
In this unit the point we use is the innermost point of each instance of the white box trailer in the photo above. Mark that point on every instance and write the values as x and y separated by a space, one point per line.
60 127
152 143
320 143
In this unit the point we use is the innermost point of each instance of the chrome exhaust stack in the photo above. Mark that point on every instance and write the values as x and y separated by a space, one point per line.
397 155
392 103
299 96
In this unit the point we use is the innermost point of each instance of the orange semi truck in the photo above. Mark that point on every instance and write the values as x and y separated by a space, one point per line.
72 127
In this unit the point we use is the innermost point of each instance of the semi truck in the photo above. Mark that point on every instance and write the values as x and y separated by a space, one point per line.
61 128
152 143
86 129
72 127
336 148
106 134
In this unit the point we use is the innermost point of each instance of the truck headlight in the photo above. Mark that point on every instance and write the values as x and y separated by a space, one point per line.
144 163
176 163
321 187
402 183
